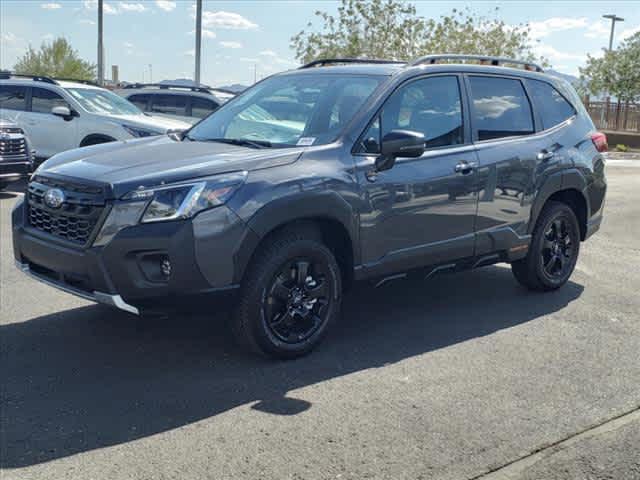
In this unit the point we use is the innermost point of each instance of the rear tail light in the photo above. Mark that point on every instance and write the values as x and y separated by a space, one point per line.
599 140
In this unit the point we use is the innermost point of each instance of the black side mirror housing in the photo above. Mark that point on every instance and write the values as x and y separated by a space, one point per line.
399 143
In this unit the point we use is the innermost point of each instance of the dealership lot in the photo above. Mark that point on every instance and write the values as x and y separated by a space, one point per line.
447 378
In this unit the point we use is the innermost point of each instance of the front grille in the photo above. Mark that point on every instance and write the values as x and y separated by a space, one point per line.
74 221
13 149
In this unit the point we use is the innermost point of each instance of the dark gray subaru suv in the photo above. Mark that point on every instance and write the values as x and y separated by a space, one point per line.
341 170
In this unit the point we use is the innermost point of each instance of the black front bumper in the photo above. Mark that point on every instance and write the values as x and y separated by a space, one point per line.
122 273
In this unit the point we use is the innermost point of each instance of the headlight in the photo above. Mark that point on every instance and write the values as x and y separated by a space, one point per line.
168 202
184 200
140 132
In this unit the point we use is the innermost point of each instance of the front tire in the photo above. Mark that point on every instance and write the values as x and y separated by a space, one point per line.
290 296
553 251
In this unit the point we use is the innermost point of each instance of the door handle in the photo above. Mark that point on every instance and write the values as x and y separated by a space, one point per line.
465 167
545 155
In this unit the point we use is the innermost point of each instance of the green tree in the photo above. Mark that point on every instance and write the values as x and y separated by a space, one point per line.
55 59
616 73
392 29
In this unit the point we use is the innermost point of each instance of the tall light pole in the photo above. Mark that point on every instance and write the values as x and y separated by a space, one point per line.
196 77
614 19
100 46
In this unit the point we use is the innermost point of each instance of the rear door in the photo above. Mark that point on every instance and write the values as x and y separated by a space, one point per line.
49 134
513 151
421 211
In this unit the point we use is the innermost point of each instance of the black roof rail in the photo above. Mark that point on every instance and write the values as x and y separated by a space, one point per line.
5 75
491 60
167 86
322 62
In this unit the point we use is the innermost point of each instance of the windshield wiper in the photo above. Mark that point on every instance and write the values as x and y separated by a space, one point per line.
244 142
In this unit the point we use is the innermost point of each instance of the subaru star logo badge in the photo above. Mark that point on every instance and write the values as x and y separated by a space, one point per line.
53 198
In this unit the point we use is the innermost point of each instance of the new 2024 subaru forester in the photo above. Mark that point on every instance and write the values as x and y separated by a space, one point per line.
341 170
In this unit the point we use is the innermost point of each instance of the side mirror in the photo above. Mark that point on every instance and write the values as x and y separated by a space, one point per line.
62 111
399 143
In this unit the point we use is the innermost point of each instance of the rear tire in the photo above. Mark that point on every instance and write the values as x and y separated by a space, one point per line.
553 251
290 296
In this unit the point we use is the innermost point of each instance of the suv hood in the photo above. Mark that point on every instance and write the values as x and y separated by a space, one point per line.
152 161
160 124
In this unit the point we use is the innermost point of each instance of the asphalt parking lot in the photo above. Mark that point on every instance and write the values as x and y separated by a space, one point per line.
450 378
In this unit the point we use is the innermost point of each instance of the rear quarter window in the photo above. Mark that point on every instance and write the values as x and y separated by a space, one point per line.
552 107
500 108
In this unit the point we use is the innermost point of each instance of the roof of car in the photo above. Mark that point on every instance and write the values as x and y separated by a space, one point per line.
356 68
30 82
388 69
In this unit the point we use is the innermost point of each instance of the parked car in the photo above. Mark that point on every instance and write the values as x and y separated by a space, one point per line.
188 104
16 161
378 171
60 115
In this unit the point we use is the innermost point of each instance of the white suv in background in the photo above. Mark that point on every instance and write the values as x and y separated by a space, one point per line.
186 103
59 115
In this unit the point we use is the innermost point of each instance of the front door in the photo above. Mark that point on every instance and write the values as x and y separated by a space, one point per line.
48 133
422 211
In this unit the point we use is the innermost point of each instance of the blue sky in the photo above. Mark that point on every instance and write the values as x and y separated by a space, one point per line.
242 35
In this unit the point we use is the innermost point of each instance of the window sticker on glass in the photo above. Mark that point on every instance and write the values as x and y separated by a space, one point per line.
306 141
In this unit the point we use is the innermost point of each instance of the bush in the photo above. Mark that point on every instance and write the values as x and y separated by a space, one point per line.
621 148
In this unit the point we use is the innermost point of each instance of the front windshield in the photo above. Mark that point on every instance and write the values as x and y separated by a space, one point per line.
289 110
95 100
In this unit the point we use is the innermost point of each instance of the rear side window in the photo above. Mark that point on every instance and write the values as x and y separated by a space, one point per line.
169 104
201 107
140 101
13 97
500 108
43 100
552 107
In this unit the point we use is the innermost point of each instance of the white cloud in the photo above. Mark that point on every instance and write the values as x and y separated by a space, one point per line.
228 20
86 21
628 32
274 58
51 6
249 60
47 37
107 8
556 55
597 29
9 38
555 24
127 44
230 44
190 53
132 7
205 33
166 5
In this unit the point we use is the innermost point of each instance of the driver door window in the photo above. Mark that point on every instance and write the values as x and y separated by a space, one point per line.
431 106
43 100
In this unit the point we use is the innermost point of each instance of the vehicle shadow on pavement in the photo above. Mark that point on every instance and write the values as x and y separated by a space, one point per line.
91 377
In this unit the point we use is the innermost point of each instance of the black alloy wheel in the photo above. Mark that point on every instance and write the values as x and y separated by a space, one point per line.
297 301
553 251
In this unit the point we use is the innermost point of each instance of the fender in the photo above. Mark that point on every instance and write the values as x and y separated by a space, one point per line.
321 204
567 179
